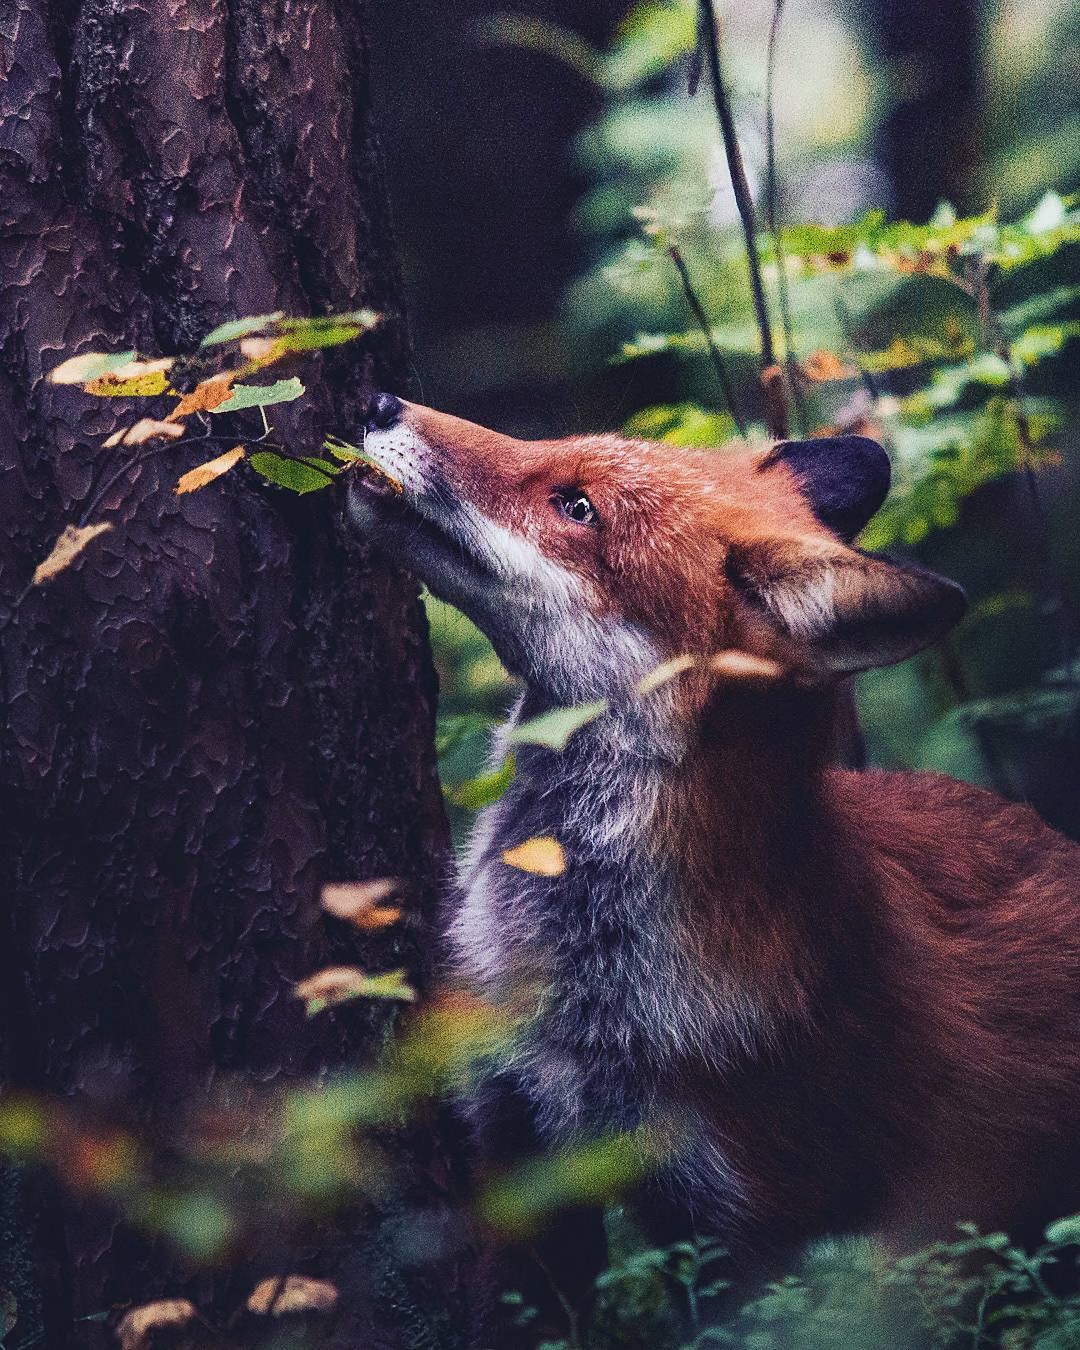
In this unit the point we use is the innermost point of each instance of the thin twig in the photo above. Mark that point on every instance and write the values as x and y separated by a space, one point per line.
773 214
703 322
743 200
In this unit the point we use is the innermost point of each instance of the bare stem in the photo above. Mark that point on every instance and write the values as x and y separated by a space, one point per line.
773 213
703 323
740 186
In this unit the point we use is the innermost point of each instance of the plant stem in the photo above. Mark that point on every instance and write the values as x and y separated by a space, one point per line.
743 199
703 323
773 220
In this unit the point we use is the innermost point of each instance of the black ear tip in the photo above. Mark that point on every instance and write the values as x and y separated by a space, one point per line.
846 478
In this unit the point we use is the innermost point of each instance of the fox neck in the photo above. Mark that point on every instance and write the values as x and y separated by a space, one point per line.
670 936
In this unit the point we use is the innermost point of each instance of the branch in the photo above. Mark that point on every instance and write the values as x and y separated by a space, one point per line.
703 322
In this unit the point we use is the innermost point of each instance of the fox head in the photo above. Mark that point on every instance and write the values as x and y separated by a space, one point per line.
589 560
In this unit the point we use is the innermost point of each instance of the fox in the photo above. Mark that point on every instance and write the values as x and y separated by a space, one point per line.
851 998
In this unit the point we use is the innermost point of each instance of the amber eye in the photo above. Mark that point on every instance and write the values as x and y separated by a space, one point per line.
575 506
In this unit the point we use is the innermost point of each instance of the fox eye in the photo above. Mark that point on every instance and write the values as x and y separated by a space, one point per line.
575 506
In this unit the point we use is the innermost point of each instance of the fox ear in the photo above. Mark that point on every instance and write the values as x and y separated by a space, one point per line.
845 478
843 609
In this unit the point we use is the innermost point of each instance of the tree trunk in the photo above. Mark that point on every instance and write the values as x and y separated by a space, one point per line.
226 702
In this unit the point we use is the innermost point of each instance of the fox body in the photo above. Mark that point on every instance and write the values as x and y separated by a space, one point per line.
853 998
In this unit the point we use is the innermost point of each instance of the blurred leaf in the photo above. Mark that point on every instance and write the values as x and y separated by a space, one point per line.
137 1328
451 731
339 984
1064 1231
261 395
206 473
667 670
553 729
9 1312
145 429
238 328
590 1173
359 902
67 548
276 1296
685 424
289 473
88 366
485 788
543 856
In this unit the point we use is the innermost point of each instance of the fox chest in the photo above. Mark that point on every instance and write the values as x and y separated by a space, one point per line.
592 954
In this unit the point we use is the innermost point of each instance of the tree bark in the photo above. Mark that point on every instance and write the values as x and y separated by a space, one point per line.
226 702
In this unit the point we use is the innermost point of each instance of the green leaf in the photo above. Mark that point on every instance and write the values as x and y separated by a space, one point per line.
342 450
238 328
476 793
289 473
1064 1230
686 424
554 729
260 395
303 335
451 731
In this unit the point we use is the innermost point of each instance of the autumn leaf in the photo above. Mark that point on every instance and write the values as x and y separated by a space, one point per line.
67 548
823 366
137 1327
89 366
664 672
145 429
213 468
205 397
275 1296
543 856
738 665
338 984
133 379
359 902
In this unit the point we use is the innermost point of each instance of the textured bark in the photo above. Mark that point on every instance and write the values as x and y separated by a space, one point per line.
226 701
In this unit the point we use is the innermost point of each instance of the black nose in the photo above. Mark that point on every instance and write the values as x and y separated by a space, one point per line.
383 411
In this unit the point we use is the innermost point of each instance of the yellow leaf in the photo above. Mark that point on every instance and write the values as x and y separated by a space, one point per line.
205 397
664 672
213 468
293 1294
738 665
358 902
137 379
145 429
542 855
137 1326
822 366
67 548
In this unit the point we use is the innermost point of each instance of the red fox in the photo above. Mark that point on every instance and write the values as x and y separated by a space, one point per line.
858 993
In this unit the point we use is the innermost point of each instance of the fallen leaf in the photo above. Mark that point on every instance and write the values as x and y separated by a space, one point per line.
738 665
543 856
145 429
359 902
205 397
67 548
667 670
137 1326
293 1294
213 468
